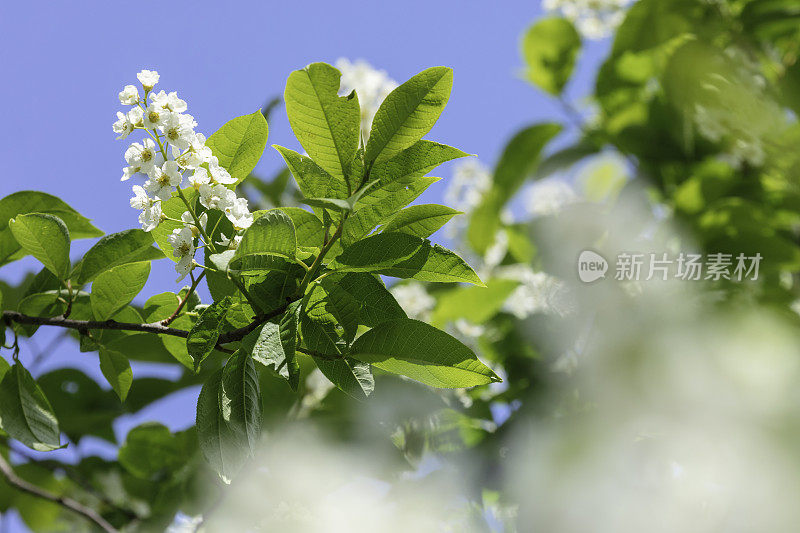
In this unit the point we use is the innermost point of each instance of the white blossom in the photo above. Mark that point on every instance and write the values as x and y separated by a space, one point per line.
549 197
136 116
216 196
239 215
129 95
199 177
219 174
155 116
538 292
148 78
229 243
188 219
122 126
140 198
184 266
182 242
142 155
150 217
594 19
414 299
163 180
178 130
170 101
370 84
470 181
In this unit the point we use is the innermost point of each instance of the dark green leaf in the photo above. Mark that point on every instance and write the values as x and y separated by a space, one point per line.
205 332
25 413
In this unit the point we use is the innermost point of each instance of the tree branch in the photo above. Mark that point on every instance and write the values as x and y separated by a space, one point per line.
84 326
90 514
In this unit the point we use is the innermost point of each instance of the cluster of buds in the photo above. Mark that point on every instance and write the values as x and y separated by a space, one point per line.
170 152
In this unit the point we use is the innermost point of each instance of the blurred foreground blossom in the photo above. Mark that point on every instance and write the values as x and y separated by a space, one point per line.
594 19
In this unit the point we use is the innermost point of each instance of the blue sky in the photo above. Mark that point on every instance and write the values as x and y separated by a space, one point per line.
63 64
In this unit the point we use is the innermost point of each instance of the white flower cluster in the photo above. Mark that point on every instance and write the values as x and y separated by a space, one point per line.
594 19
549 197
414 299
171 152
538 292
371 85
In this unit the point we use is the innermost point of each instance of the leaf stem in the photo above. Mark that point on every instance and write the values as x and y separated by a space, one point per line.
195 281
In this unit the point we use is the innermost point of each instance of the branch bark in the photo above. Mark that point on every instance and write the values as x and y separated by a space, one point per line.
90 514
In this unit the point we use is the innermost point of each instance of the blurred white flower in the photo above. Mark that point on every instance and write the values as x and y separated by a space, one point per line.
470 181
594 19
548 197
538 292
414 299
370 84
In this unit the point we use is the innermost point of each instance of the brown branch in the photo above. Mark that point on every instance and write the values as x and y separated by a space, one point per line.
83 326
195 281
90 514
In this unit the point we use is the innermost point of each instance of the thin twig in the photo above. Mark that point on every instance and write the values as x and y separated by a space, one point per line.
195 281
68 503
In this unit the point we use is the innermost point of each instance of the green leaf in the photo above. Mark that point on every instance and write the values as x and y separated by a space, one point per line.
129 246
307 226
229 415
152 452
24 202
273 345
327 302
25 413
415 161
205 333
333 204
117 370
239 143
549 49
421 220
352 377
377 303
271 234
408 113
326 124
519 160
311 179
4 367
46 238
405 256
475 304
421 352
113 289
379 204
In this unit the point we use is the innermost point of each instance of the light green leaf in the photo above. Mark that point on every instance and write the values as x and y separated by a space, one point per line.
239 143
271 234
326 124
421 352
4 367
129 246
377 303
25 413
229 415
408 113
421 220
117 370
415 161
405 256
475 304
379 204
311 179
24 202
115 288
273 345
46 238
205 333
549 49
334 204
307 226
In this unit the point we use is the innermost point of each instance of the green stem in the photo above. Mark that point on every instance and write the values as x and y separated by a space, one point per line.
318 261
